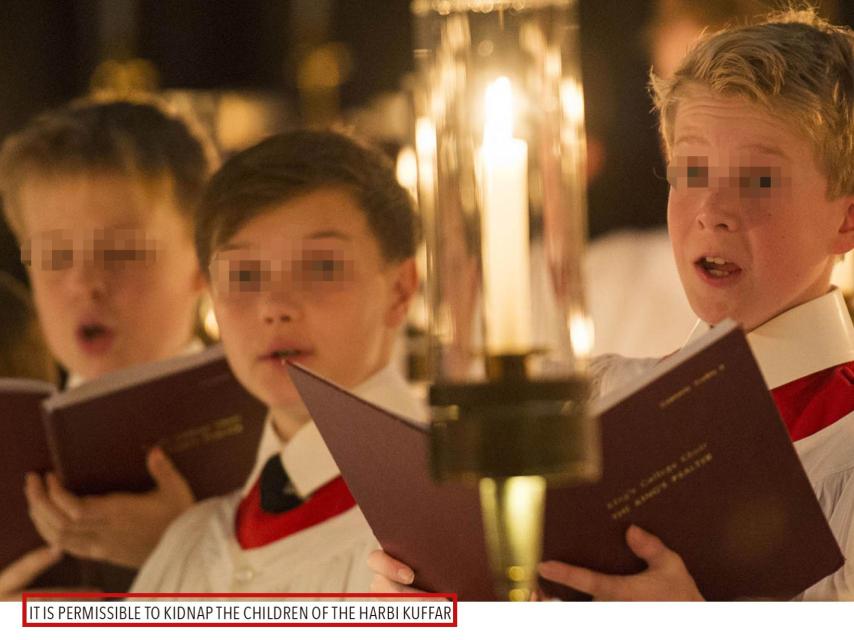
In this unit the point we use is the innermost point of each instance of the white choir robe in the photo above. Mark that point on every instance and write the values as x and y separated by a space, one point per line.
200 550
813 337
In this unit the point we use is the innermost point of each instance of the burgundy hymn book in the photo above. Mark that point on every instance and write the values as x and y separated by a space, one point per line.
24 449
96 436
695 452
193 407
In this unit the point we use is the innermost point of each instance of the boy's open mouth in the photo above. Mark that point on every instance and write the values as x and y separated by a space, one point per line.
717 267
92 331
285 355
94 336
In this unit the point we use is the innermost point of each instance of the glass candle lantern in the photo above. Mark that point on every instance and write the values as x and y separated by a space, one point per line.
501 170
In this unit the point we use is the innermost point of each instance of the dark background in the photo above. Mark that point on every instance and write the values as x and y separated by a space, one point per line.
49 50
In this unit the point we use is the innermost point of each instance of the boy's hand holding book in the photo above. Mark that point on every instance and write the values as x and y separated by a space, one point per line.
114 491
18 575
390 575
664 579
121 528
693 449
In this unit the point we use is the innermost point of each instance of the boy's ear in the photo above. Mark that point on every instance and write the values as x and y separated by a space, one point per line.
845 239
404 282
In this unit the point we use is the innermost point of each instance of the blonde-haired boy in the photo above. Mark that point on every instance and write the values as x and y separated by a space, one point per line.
758 122
100 196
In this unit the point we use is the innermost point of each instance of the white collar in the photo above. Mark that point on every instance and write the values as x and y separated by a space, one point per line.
811 337
194 346
305 457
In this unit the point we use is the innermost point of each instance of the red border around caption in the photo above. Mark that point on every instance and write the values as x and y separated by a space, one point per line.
282 596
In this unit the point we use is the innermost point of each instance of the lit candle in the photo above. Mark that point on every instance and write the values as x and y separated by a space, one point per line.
506 260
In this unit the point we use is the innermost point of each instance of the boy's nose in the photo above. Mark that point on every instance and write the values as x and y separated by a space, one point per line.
280 307
272 318
87 279
719 210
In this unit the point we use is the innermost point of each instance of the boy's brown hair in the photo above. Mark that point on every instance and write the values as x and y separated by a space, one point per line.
795 65
289 165
135 138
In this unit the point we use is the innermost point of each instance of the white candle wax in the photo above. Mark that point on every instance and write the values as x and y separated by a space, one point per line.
505 237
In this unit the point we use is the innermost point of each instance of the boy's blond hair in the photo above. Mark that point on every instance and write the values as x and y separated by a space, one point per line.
139 138
795 65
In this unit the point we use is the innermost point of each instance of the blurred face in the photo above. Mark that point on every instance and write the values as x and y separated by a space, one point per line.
752 230
304 281
113 270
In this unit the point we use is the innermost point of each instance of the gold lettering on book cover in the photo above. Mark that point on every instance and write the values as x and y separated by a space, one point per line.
201 435
684 391
659 481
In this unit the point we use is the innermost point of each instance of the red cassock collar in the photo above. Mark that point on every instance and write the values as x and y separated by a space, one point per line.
256 528
809 404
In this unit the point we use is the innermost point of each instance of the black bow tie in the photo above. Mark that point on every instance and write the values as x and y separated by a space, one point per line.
277 491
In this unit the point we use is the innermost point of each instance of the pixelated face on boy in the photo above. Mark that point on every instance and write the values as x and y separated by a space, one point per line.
305 281
113 269
752 228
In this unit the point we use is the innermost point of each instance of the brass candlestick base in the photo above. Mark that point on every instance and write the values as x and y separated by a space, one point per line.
513 510
511 435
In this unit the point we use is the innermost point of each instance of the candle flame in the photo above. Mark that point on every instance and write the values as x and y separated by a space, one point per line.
498 123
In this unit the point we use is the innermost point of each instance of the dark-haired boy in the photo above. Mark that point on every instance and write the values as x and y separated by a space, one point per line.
308 241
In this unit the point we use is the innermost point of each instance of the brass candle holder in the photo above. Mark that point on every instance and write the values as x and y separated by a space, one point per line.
501 182
512 436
